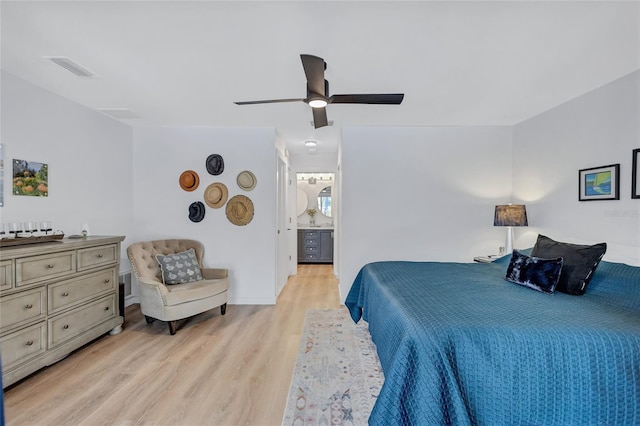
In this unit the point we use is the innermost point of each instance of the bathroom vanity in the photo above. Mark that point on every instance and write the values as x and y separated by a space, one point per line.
315 245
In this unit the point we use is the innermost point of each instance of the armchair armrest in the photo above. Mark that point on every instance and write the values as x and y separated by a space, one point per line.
214 273
153 283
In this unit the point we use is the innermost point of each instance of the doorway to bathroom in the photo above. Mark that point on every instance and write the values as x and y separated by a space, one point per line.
316 214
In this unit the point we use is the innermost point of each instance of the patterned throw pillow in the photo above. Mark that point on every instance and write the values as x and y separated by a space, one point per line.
533 272
179 268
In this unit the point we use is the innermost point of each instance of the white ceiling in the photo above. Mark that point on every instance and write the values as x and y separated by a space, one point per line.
458 63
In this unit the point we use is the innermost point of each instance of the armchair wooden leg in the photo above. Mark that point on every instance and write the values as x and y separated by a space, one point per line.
223 309
149 319
172 327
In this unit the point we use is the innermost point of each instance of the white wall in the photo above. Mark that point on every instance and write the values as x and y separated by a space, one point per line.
322 162
599 128
89 159
161 206
421 193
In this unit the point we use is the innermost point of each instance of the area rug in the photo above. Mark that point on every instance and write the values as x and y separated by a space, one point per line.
337 376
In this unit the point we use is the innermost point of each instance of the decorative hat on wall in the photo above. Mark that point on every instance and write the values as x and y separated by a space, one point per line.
239 210
216 195
196 211
246 180
215 164
189 180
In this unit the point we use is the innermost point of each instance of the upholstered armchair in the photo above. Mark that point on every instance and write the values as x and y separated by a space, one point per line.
173 302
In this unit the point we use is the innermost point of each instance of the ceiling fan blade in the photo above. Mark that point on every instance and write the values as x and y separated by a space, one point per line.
320 117
269 101
314 70
371 98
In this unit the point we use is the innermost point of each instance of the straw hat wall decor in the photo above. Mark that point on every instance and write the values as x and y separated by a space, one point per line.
246 180
239 210
216 195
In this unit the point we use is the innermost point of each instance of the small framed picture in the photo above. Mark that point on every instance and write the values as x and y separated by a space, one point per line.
30 178
635 174
599 183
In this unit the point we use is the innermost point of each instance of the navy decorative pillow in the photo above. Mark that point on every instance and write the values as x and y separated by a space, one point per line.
533 272
580 262
179 268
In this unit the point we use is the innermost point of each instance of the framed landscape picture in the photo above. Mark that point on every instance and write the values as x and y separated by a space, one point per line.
599 183
30 178
635 174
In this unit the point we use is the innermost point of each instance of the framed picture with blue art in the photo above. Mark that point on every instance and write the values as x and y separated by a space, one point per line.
599 183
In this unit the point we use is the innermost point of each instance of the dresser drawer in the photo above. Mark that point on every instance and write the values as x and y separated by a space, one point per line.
310 242
34 269
19 347
6 275
71 324
68 293
97 256
22 308
310 256
311 250
308 234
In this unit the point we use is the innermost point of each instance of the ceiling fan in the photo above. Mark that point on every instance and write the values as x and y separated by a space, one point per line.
318 93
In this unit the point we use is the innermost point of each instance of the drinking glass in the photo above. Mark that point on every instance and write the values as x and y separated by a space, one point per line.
15 228
30 228
46 226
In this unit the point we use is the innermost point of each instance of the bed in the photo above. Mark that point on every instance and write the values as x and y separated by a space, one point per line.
461 345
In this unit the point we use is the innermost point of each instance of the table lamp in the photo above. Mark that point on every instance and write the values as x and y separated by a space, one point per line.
510 215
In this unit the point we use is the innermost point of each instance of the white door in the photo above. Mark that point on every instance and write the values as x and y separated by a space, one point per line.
282 216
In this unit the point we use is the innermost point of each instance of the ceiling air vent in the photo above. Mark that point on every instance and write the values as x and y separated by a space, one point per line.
71 66
119 113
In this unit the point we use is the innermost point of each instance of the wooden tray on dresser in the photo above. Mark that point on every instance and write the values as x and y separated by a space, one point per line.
10 242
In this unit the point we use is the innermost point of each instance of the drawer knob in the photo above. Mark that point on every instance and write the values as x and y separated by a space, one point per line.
28 306
106 281
65 294
29 343
106 308
66 326
51 266
99 256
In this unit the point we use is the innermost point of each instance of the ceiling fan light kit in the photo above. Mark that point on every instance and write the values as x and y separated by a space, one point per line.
317 103
318 93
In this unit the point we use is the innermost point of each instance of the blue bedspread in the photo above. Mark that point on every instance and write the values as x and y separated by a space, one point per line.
460 345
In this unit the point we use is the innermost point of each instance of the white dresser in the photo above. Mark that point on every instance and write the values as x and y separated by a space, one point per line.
54 298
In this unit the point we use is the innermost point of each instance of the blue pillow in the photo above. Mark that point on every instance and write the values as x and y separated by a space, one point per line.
533 272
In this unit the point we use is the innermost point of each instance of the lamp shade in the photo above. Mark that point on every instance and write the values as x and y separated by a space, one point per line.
510 215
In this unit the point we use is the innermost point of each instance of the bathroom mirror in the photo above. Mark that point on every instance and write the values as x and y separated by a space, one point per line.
301 205
324 201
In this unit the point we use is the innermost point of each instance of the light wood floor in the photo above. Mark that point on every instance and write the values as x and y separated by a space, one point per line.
217 370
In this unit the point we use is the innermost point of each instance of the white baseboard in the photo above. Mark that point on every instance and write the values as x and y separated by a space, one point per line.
131 300
252 301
